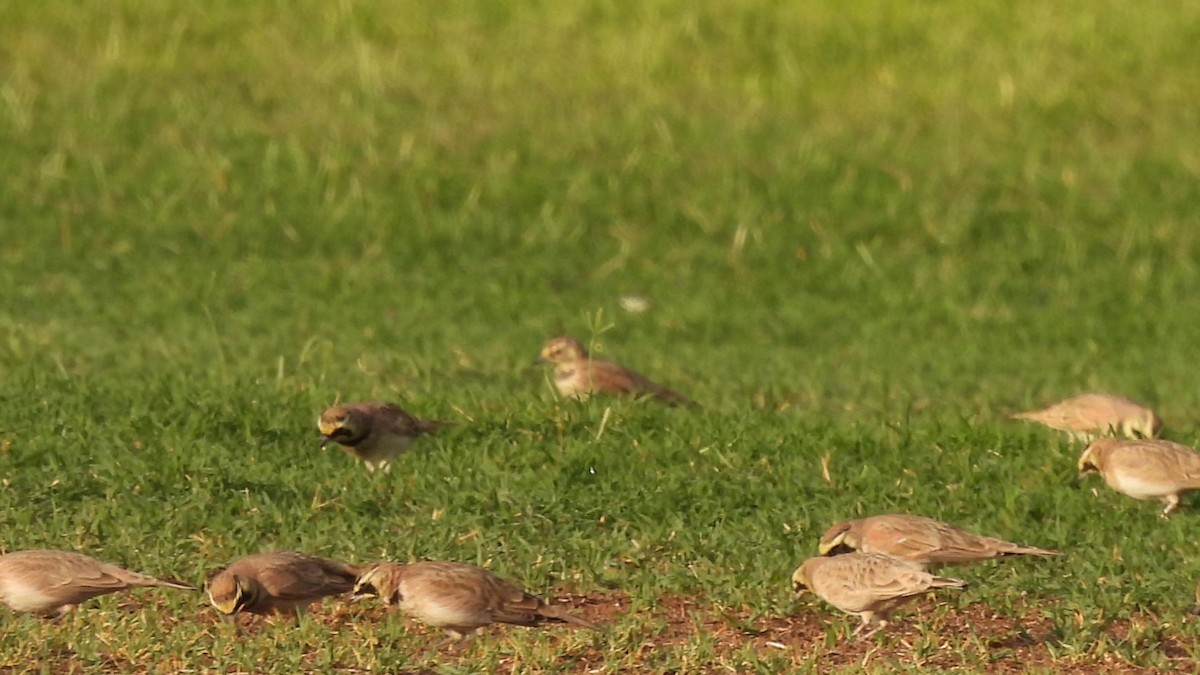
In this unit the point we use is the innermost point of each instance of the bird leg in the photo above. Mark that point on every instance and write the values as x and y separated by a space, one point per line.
873 622
1172 502
60 612
455 641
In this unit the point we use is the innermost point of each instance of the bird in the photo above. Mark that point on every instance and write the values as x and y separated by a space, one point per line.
375 432
1089 416
1145 469
918 540
578 375
458 598
51 583
867 584
279 582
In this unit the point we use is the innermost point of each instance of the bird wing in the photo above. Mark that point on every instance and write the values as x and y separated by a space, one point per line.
80 573
906 537
508 603
298 577
405 423
617 379
1161 461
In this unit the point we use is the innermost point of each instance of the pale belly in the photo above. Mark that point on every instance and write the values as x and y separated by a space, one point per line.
23 598
442 614
1142 489
572 386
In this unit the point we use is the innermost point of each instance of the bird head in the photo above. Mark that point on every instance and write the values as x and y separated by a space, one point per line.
1092 458
838 539
230 593
800 582
1147 425
562 350
378 581
339 424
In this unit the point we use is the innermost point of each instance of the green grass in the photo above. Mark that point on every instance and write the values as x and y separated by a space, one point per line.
867 233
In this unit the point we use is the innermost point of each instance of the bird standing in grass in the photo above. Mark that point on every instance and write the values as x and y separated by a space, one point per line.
918 540
375 432
283 582
458 598
1143 469
51 583
1093 415
578 375
866 584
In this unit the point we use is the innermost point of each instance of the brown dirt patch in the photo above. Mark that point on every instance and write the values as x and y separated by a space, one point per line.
926 635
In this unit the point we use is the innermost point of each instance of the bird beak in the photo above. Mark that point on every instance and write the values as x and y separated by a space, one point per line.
1077 481
540 360
325 440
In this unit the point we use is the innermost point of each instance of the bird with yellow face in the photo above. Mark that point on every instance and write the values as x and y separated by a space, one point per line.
579 375
279 582
868 585
1147 469
375 432
458 598
924 542
1091 416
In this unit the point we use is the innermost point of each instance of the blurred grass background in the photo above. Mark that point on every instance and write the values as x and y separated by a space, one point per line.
867 232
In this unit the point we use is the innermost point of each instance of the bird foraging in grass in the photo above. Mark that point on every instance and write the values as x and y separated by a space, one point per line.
280 582
918 540
51 583
578 375
1093 415
374 432
458 598
868 585
1148 469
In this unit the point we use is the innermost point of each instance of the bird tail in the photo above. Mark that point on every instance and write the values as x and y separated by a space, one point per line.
170 583
947 582
561 614
1032 550
672 397
431 426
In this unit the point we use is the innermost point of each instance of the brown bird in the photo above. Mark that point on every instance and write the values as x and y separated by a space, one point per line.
918 540
1147 469
1092 415
283 582
458 598
867 584
52 583
375 432
577 375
